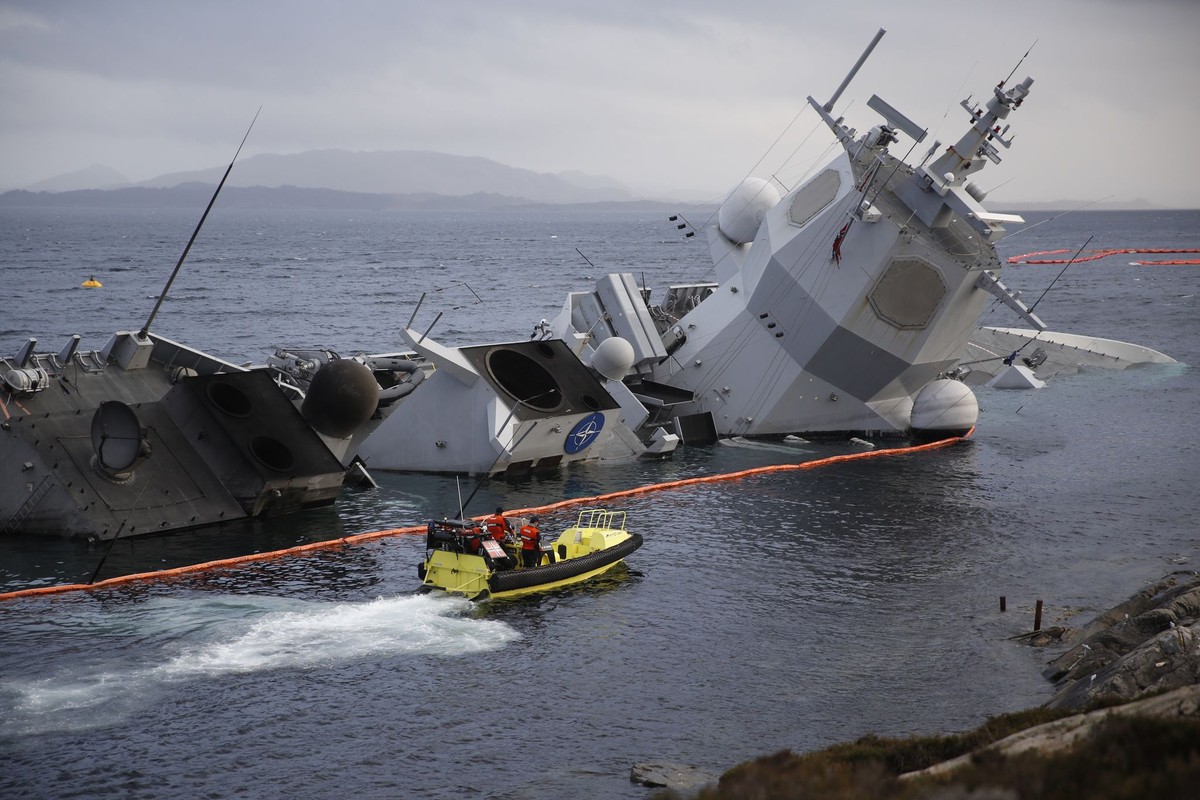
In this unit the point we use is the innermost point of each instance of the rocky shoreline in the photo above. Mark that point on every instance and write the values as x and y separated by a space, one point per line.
1137 664
1149 643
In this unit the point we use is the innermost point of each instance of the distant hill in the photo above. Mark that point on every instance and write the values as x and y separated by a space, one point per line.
404 172
195 195
95 177
1138 204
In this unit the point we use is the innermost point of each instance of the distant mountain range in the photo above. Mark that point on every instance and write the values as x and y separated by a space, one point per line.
310 176
403 179
194 195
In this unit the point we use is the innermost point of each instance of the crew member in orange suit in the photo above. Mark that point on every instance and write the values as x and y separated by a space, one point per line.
531 542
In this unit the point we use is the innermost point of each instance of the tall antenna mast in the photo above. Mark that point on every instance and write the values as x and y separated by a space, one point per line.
163 295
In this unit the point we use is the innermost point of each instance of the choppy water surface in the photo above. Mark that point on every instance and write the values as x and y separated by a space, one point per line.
790 610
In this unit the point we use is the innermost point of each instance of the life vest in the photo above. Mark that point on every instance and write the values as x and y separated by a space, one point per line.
496 525
529 537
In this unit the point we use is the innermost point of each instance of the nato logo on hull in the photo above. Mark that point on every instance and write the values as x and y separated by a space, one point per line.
584 433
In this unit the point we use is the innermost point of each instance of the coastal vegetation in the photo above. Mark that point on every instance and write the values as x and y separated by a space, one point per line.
1124 723
1124 757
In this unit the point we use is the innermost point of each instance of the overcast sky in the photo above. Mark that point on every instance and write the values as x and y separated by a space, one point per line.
662 96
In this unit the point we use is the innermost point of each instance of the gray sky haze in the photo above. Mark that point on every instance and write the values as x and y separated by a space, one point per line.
670 98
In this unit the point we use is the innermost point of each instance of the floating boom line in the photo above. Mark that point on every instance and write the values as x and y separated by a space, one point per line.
420 529
1096 255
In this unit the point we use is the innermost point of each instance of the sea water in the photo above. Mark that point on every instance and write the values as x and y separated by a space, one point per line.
789 610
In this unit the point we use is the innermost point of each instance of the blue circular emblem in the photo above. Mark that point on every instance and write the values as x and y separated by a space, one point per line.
584 433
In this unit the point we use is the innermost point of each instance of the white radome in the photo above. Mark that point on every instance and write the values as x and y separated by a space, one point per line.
743 209
613 358
945 407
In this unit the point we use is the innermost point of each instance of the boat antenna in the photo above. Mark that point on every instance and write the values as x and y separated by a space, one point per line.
1013 355
117 534
472 291
1019 231
107 550
1060 272
162 296
487 472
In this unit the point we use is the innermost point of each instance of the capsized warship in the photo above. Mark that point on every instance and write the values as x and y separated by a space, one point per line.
846 307
498 409
147 435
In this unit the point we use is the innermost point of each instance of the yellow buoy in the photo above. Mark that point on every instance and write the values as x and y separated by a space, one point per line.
92 283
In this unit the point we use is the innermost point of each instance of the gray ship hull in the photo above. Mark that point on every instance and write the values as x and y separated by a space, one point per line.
149 436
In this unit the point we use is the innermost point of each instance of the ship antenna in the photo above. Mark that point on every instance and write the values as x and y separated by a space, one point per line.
162 296
1019 63
854 70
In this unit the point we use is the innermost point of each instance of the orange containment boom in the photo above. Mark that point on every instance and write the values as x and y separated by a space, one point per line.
1031 258
225 563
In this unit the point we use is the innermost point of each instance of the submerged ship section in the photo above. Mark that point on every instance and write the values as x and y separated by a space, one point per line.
508 408
149 436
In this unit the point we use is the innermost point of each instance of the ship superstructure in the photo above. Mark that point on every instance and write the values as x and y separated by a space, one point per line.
841 306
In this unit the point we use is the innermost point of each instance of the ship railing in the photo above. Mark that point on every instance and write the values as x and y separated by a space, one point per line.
601 518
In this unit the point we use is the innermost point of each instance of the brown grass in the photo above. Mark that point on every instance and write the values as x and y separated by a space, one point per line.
1128 757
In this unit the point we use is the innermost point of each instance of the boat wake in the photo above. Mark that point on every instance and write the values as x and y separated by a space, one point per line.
169 641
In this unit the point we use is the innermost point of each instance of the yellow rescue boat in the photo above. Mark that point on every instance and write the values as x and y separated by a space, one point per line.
463 559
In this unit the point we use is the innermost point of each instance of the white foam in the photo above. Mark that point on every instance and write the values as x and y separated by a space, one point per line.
326 634
197 638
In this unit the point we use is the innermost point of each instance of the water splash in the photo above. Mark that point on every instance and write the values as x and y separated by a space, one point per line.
197 639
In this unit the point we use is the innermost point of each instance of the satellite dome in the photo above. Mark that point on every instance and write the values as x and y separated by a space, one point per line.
743 209
944 408
613 358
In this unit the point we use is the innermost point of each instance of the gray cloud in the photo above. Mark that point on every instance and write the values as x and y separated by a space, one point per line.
661 96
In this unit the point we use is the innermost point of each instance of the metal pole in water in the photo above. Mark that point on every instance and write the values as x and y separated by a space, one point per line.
1003 603
1037 616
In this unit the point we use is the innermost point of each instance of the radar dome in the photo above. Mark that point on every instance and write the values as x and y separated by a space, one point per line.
343 395
944 408
613 358
743 209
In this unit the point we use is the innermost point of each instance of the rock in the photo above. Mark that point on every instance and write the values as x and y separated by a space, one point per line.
1168 661
1148 643
680 777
